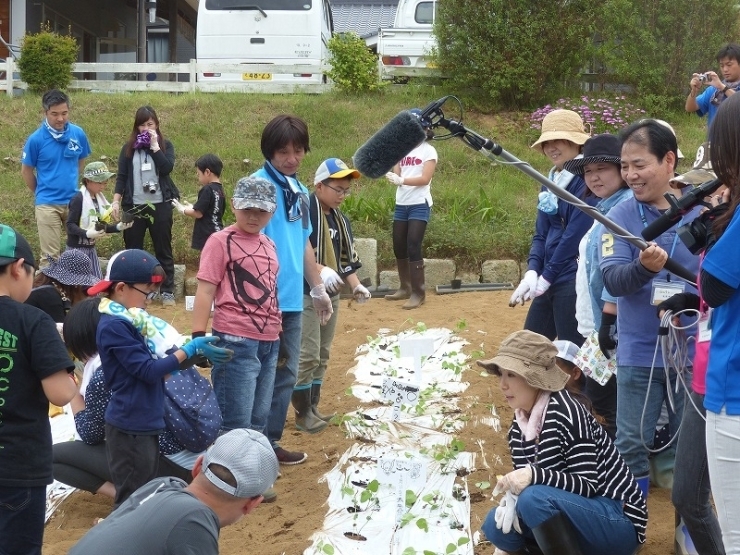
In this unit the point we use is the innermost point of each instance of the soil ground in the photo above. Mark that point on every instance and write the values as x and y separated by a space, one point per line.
284 527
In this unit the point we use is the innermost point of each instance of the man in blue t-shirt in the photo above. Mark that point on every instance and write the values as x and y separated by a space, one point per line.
57 150
718 88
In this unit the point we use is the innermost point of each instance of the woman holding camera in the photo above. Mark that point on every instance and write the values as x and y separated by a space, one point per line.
720 284
144 190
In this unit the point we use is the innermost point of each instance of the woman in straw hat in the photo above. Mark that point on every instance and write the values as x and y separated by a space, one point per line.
571 491
550 279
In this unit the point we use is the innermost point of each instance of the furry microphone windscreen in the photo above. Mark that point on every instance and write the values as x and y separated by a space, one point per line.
389 145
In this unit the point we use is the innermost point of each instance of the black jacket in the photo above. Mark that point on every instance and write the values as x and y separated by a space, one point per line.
164 163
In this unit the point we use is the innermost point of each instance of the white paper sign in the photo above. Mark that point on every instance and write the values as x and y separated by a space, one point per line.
399 393
409 471
416 348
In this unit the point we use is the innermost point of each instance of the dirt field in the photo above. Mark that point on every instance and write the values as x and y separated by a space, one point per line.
285 526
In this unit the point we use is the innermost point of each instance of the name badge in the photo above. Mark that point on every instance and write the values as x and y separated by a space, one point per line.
146 166
705 328
664 290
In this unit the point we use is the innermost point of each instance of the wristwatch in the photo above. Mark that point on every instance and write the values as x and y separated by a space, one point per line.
725 89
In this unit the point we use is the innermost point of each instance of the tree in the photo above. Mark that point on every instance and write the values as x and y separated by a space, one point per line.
516 52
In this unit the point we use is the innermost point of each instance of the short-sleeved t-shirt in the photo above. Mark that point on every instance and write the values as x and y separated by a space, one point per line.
244 268
30 351
210 203
160 518
57 163
412 165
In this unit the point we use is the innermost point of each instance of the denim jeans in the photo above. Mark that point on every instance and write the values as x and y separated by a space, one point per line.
553 314
22 515
285 377
691 488
244 384
599 523
315 344
633 398
723 455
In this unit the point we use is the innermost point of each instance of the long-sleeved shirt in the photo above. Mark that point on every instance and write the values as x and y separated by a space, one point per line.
554 250
573 453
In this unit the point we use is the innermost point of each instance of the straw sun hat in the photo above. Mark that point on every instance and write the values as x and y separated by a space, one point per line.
531 356
562 124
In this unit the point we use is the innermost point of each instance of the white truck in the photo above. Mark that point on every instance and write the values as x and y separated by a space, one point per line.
404 49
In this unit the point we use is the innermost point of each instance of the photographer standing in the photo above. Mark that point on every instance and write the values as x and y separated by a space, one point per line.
144 189
707 102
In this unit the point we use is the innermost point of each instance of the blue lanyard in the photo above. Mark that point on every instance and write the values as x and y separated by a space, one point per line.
645 224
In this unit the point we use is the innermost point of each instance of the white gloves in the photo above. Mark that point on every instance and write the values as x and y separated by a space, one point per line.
505 516
120 226
523 292
361 293
332 280
394 178
542 286
95 234
181 207
321 303
515 481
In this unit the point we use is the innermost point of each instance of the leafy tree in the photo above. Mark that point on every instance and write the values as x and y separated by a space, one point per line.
46 60
654 46
516 52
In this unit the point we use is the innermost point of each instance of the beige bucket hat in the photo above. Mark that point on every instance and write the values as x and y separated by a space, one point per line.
531 356
562 124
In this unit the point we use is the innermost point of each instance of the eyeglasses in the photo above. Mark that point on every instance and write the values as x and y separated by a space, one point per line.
339 192
148 294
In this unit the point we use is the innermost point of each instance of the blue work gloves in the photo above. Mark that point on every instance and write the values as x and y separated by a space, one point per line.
203 346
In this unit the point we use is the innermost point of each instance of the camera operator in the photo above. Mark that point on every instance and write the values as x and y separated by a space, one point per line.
720 283
718 89
144 190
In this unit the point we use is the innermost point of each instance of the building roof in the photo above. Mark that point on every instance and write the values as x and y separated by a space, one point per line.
364 17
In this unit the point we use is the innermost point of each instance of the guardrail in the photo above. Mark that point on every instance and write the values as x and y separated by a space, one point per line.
167 77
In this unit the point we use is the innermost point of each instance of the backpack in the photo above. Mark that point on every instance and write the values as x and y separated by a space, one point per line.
191 410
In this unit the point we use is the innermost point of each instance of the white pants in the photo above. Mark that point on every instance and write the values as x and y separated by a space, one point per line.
723 455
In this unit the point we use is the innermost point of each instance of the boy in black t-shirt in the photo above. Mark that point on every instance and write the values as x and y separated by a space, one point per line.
35 369
208 210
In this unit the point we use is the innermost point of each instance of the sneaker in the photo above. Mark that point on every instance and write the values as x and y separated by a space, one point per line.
290 457
269 496
168 299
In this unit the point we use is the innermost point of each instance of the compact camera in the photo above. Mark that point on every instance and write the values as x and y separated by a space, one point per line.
150 187
703 78
143 140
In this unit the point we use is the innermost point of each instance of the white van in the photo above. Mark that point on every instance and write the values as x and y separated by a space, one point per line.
282 32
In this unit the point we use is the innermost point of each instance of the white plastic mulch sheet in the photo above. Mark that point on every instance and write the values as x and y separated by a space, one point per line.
62 429
401 490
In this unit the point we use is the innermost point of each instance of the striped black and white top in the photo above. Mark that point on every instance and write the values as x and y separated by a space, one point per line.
573 453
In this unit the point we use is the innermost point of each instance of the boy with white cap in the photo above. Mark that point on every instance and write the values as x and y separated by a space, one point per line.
336 260
238 273
168 516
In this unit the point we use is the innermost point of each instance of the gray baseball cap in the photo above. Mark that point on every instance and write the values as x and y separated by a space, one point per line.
249 457
255 192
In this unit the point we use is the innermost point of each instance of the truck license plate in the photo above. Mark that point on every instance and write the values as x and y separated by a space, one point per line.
256 76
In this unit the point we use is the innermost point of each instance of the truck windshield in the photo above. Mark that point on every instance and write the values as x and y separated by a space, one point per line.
259 5
424 12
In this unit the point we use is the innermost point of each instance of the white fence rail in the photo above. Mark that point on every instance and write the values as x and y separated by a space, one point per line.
171 77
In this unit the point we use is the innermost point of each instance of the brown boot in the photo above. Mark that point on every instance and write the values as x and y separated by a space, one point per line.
404 288
417 285
315 398
305 420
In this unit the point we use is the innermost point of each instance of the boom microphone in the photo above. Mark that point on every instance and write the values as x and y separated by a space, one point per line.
389 145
